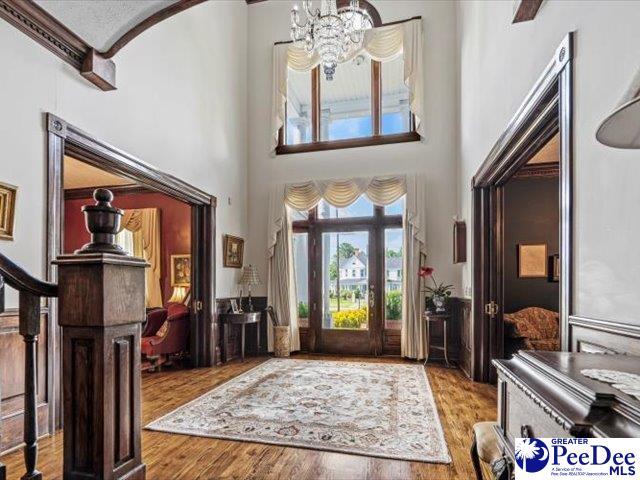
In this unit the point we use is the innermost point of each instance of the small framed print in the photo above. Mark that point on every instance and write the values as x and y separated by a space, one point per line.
7 210
233 251
234 306
180 270
532 260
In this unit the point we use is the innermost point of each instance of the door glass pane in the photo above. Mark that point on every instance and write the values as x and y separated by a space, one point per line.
301 268
298 107
395 98
345 280
360 208
393 277
345 101
396 208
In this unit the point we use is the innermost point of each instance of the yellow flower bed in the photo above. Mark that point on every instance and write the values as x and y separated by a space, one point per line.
350 318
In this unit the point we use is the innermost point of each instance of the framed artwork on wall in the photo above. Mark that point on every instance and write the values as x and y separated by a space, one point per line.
7 210
180 270
532 260
233 251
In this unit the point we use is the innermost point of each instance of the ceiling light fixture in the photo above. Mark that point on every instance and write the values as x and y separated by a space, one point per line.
334 33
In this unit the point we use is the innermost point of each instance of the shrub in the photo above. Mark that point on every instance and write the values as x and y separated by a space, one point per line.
393 307
350 318
303 310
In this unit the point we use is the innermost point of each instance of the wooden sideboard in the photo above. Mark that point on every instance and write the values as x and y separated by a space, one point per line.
543 394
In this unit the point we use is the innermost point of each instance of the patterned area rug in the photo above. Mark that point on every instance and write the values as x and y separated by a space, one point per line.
374 409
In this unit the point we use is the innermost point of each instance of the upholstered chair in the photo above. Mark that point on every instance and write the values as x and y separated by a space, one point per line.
170 339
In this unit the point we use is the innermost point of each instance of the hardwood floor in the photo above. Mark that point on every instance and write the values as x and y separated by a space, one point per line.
460 402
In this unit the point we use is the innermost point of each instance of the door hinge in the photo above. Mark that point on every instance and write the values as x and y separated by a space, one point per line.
491 309
315 306
198 305
314 274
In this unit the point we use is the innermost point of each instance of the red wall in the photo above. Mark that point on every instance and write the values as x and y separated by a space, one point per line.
175 224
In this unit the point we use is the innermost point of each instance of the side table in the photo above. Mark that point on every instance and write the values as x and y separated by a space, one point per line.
432 318
243 319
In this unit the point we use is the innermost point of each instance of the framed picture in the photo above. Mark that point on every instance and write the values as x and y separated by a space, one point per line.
180 270
234 306
554 268
7 210
532 260
233 251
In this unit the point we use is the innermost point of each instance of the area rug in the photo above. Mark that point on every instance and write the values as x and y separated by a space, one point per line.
375 409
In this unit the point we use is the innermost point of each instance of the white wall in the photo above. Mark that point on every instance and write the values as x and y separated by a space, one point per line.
499 63
180 106
268 23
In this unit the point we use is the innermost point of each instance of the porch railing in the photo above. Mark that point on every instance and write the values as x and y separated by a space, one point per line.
101 306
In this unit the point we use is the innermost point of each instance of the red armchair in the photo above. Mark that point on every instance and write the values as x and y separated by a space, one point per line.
170 338
155 319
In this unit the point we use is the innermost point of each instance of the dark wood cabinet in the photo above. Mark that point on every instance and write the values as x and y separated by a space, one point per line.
544 394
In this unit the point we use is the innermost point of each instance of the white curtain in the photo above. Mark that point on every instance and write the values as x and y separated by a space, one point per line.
413 340
382 44
144 223
341 193
281 285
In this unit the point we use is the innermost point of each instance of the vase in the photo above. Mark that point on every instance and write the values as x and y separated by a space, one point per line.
281 344
438 302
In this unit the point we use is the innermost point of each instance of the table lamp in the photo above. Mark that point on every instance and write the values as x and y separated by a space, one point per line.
249 278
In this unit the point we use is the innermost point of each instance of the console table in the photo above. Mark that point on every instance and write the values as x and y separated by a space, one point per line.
243 319
544 394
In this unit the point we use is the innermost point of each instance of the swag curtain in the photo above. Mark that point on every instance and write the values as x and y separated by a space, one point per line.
281 285
382 44
144 223
341 193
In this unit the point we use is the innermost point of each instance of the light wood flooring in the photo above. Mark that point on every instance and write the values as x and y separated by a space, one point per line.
461 403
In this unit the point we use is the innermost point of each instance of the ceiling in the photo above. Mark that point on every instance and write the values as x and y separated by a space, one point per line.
550 153
101 24
78 174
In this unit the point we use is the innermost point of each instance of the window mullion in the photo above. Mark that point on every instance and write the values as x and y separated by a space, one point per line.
376 97
315 104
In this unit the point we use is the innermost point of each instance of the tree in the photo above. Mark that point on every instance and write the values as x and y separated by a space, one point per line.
393 253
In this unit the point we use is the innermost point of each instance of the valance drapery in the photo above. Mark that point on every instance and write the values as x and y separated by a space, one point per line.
145 225
342 193
381 44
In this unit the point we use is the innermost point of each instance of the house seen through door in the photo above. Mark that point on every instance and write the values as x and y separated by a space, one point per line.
348 268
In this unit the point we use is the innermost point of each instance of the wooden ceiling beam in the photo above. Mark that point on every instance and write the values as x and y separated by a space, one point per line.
95 66
526 10
33 21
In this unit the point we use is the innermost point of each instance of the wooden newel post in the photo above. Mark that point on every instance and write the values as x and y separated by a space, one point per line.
101 308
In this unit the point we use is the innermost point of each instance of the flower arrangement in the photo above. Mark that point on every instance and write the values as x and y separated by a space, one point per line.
439 292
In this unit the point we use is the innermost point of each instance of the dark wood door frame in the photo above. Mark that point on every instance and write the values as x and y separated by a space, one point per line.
547 109
66 139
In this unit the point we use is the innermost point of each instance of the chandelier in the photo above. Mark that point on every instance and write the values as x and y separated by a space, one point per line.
334 33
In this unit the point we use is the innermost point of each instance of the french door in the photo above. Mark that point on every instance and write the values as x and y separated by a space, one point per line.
354 280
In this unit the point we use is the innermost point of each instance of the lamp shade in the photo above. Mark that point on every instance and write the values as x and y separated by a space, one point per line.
250 276
621 129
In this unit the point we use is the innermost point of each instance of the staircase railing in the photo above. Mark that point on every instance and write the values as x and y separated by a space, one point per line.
30 292
101 306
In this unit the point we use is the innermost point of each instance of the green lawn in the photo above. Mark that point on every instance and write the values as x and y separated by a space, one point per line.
346 304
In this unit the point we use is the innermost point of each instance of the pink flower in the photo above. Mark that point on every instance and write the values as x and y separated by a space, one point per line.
426 272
